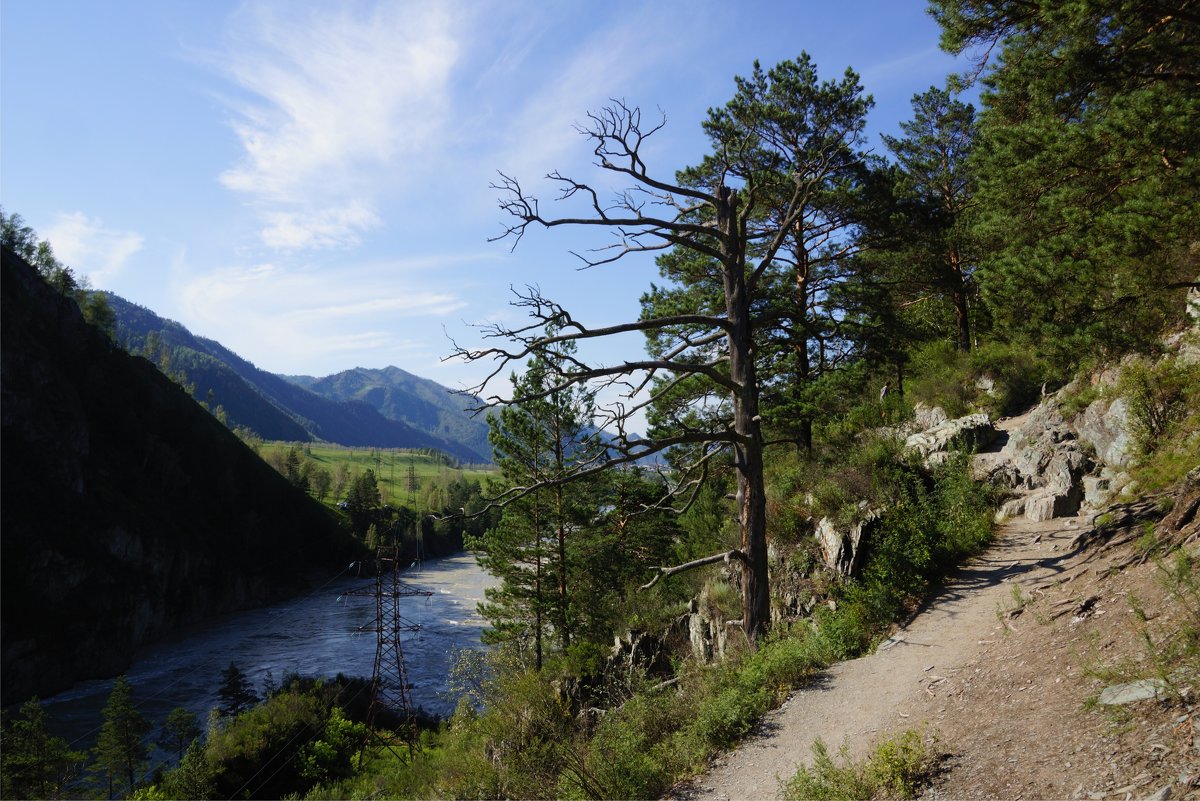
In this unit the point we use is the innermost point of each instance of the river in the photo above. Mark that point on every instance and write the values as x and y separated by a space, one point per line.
315 635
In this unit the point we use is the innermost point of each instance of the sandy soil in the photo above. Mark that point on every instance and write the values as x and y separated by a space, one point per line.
1003 692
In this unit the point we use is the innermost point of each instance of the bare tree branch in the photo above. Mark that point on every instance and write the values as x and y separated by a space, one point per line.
667 572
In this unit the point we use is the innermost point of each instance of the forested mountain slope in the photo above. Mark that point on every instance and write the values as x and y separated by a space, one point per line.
128 509
278 409
400 395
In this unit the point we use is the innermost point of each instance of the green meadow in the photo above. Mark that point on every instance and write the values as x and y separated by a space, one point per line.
418 479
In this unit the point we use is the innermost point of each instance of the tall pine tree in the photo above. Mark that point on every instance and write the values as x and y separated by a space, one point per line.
529 549
33 762
933 256
1087 165
120 750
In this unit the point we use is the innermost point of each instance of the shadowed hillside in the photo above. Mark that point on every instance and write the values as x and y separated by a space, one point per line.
129 510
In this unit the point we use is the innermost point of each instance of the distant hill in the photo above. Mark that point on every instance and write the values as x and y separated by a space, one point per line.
129 511
402 411
400 395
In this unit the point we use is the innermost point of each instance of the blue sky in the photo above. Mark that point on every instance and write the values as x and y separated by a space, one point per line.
308 182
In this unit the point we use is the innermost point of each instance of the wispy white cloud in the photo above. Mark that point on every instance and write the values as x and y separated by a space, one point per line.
611 62
337 99
318 228
295 318
88 246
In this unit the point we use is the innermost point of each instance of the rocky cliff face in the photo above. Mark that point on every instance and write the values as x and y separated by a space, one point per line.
128 510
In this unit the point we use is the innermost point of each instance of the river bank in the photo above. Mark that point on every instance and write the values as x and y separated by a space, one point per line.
323 633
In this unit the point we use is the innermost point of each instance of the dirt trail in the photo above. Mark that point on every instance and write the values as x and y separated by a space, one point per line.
852 702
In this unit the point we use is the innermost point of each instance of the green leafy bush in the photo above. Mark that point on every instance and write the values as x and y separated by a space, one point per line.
896 769
1017 373
939 377
1160 396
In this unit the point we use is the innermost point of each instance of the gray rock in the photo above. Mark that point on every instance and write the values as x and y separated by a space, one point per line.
1047 504
1011 508
840 550
1031 462
1128 693
1066 468
1163 794
1104 425
925 417
970 432
638 653
1096 490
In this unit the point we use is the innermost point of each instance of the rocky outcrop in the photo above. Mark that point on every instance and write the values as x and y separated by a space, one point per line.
1104 425
840 549
1057 466
963 433
1045 462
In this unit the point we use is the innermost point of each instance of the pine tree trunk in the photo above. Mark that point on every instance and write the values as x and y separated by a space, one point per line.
804 440
537 587
959 298
748 450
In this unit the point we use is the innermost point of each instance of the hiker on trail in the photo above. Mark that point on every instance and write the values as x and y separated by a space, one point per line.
883 393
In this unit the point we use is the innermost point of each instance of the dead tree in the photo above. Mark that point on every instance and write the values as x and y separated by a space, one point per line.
719 213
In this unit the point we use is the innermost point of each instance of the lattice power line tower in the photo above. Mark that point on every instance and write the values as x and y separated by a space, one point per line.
413 482
390 688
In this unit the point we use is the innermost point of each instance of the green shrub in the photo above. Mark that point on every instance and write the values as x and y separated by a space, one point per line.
962 511
1160 397
897 769
619 761
1075 400
725 718
939 377
257 752
1017 373
526 726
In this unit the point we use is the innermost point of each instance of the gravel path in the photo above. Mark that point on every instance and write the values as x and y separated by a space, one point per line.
853 702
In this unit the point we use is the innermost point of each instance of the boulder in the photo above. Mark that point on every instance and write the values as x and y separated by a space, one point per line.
1104 425
1003 475
1067 466
705 639
926 417
1044 424
1048 504
1010 508
1031 462
970 433
1143 690
1096 490
637 653
840 549
987 385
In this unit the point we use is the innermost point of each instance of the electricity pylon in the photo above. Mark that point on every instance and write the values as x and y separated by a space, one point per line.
390 688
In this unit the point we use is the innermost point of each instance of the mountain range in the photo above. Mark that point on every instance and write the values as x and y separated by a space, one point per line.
383 408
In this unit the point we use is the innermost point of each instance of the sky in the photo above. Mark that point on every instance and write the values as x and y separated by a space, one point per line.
309 182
